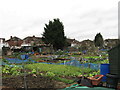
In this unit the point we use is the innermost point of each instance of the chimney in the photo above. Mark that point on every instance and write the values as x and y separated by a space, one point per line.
10 37
4 40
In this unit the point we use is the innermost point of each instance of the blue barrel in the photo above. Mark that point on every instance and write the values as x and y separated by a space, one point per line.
104 69
24 57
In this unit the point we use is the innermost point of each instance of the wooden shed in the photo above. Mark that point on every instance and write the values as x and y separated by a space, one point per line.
114 60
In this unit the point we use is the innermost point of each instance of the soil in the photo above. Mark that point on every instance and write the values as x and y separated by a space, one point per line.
33 83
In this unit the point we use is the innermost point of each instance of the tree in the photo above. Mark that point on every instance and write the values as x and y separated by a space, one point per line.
54 34
98 41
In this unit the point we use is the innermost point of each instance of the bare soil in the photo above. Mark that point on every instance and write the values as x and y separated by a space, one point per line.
32 82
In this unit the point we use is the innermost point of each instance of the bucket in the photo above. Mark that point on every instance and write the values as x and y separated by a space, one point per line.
104 69
112 81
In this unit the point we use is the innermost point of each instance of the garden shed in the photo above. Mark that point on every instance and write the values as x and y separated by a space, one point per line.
114 60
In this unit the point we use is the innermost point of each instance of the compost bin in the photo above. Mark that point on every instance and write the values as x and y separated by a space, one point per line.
112 81
114 60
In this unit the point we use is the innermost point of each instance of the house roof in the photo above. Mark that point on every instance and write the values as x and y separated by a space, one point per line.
15 43
14 39
32 38
73 41
36 40
86 42
89 41
111 40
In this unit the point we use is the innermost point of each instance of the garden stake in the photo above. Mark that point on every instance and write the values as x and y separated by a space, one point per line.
25 84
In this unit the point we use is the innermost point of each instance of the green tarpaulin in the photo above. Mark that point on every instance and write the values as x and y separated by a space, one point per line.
77 86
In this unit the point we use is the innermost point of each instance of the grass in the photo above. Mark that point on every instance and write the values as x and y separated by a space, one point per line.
64 80
59 70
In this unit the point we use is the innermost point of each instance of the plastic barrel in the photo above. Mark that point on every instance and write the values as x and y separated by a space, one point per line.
26 56
112 80
22 56
104 69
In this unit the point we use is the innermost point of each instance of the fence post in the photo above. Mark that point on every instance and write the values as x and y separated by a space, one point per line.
89 64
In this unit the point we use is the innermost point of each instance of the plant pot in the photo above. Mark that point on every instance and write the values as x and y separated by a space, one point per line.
112 80
96 80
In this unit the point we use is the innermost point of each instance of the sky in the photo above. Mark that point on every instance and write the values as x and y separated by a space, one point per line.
82 19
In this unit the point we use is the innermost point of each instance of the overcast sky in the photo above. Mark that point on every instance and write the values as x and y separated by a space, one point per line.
82 19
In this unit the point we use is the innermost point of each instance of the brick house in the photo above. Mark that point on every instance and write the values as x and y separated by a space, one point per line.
14 42
35 44
32 41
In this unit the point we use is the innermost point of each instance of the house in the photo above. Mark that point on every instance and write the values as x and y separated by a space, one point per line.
86 45
14 42
3 43
32 41
72 45
4 47
73 42
35 44
28 44
110 43
80 46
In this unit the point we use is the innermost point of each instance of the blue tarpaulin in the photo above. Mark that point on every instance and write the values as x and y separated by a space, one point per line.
71 63
15 60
